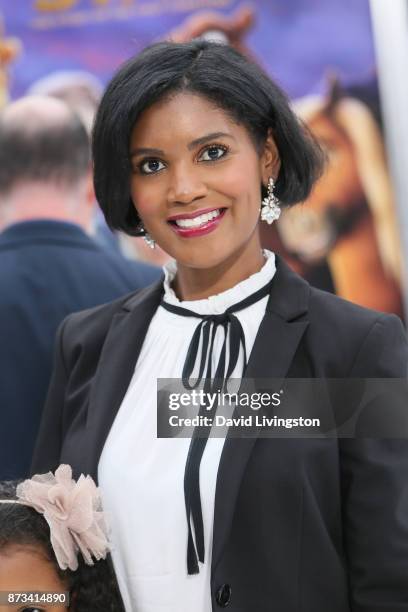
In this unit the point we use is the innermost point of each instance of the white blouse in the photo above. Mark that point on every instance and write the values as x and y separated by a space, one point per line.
141 476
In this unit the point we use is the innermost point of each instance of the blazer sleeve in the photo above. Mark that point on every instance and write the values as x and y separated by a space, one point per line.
47 449
374 477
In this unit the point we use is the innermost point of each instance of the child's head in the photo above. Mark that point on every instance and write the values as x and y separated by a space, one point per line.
37 555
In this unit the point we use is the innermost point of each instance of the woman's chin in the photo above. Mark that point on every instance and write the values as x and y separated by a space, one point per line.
201 261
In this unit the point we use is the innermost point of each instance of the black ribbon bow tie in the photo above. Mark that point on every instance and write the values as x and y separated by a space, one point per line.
234 338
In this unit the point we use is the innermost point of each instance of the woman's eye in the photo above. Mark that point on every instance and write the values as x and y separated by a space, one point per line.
213 153
151 166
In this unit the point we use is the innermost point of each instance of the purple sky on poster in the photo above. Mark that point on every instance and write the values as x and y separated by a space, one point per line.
297 41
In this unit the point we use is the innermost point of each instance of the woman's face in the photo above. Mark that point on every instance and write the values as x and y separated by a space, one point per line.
26 571
196 180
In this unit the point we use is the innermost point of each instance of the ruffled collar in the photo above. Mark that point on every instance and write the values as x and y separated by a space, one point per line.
218 303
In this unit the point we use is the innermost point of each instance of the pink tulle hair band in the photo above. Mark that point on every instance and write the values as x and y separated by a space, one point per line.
73 511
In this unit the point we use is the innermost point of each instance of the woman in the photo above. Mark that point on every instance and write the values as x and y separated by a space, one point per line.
187 139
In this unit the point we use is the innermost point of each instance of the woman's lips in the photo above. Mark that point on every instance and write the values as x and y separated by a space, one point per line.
200 230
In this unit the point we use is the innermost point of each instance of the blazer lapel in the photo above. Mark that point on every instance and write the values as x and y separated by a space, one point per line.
116 366
275 345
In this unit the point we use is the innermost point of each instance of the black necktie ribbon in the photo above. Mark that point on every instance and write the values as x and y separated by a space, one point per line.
234 339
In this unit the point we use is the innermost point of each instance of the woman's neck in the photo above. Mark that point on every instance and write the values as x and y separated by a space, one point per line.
198 283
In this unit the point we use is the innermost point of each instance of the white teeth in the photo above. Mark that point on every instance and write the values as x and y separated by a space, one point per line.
197 221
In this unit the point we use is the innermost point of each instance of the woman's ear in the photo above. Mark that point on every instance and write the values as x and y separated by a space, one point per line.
270 160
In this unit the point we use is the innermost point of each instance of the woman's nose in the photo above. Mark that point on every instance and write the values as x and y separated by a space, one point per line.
185 187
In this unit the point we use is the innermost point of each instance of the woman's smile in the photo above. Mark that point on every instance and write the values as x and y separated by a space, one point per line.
198 223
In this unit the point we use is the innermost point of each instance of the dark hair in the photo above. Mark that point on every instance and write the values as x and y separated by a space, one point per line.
94 588
57 153
223 76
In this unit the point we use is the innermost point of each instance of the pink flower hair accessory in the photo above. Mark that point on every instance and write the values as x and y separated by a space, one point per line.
73 511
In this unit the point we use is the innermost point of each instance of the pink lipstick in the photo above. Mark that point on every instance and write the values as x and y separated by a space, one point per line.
198 223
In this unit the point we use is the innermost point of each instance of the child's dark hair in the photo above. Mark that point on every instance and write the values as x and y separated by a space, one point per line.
221 75
92 588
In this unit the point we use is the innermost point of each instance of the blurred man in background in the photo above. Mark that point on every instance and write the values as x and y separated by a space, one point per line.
49 266
82 92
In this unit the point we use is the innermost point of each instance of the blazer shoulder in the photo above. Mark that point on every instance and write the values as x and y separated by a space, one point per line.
337 309
293 296
370 342
87 329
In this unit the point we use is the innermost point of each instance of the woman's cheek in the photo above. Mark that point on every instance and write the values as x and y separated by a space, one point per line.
238 180
144 202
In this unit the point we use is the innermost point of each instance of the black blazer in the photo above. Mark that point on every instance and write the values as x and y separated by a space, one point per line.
300 525
48 269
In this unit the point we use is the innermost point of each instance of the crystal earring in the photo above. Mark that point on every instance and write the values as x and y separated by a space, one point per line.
149 240
146 236
270 210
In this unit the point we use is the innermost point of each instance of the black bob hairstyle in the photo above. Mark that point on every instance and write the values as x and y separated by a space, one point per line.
221 75
92 588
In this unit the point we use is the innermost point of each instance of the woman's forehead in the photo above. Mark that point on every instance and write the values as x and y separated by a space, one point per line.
12 548
182 117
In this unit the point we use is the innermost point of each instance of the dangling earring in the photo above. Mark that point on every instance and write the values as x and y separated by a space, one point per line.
149 240
270 210
146 236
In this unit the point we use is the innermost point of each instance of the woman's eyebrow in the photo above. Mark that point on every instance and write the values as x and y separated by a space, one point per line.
146 151
207 137
191 145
